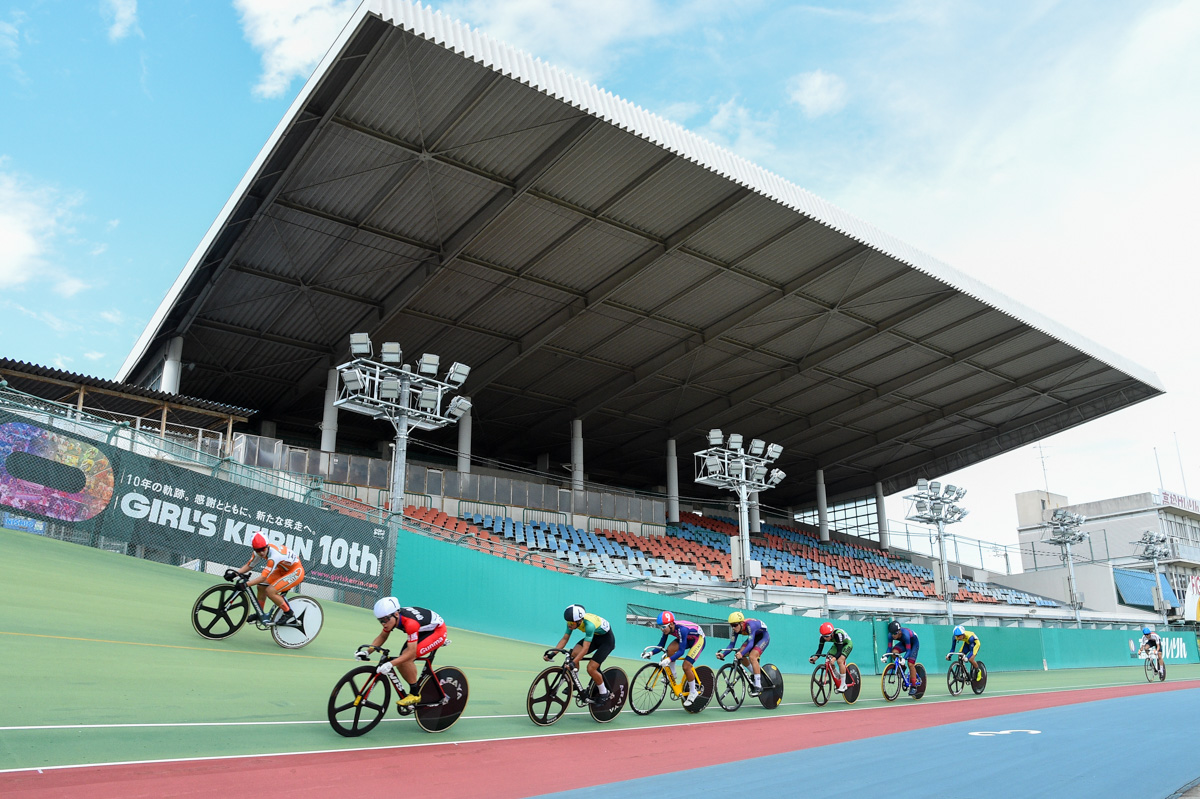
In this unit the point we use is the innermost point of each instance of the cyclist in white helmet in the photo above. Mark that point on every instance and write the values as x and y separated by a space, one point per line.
426 631
598 638
1152 645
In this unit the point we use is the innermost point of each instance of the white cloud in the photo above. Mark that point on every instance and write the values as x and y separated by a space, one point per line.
114 316
10 49
736 127
62 362
93 356
112 224
31 216
291 35
817 93
122 18
99 249
69 286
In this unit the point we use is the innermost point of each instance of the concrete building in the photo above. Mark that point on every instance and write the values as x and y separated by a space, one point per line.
1115 527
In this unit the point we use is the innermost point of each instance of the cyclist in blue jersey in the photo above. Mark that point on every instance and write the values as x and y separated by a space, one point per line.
689 646
757 641
906 645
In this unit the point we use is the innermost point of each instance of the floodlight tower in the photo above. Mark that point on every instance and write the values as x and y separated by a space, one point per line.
934 505
1063 530
411 400
1154 549
727 464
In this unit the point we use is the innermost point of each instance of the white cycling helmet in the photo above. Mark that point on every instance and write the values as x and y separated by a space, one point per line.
386 607
573 613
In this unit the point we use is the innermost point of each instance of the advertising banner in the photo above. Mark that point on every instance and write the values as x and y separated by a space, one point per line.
1191 602
48 475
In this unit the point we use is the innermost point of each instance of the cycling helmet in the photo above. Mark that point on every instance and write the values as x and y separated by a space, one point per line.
573 613
826 629
665 618
259 541
737 617
893 627
1145 631
386 607
958 631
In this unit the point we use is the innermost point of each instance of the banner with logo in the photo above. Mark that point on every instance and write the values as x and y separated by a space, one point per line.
1191 602
50 476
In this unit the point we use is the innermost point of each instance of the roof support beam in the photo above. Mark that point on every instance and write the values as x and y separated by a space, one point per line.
258 335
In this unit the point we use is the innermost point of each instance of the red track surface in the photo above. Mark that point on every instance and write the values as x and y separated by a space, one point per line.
509 769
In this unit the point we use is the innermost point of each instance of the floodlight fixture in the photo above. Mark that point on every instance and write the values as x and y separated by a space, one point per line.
759 472
777 476
353 380
360 345
922 507
389 388
458 373
715 437
757 446
428 400
950 491
737 468
935 488
389 352
458 407
712 464
735 441
922 485
428 365
774 451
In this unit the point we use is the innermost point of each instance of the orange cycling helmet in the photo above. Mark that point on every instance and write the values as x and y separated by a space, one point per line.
826 629
259 541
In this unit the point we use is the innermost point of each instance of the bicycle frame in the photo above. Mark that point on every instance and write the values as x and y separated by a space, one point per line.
834 672
244 588
747 672
394 677
902 670
569 667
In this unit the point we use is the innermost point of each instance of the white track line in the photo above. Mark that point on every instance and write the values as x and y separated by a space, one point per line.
619 730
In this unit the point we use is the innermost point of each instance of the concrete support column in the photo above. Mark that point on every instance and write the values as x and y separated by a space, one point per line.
881 516
755 519
543 464
268 429
464 443
577 455
329 421
822 506
172 366
672 483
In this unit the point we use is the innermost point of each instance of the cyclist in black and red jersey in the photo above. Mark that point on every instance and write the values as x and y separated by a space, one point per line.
426 631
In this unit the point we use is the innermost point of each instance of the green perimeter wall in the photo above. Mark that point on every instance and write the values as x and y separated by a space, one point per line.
484 593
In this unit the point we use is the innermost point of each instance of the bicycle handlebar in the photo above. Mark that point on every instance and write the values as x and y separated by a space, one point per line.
650 651
386 655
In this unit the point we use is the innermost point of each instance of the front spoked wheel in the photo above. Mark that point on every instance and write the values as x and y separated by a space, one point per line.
548 696
890 682
648 690
358 702
220 612
820 686
956 678
731 687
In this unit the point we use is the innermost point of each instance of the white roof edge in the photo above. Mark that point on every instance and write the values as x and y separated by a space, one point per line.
152 328
555 82
537 74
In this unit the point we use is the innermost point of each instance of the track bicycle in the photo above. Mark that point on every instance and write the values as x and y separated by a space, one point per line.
897 676
825 677
650 684
222 610
554 688
959 675
734 679
1150 664
360 698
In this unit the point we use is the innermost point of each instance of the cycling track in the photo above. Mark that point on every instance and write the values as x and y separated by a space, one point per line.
1118 741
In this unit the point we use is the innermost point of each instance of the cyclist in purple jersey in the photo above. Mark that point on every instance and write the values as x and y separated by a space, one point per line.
757 641
689 646
906 645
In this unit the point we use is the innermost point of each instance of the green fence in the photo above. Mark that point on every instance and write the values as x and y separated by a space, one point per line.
481 592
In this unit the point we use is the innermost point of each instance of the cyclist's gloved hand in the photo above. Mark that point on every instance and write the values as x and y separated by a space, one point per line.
384 668
231 574
665 662
812 659
360 654
948 656
721 655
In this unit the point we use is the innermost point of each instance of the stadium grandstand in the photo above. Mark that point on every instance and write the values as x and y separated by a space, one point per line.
618 286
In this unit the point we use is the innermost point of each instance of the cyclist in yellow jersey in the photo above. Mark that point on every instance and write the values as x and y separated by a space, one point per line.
970 643
598 639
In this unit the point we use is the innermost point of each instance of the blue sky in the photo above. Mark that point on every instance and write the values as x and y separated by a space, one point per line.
1047 148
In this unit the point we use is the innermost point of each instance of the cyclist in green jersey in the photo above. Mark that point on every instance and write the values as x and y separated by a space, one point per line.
598 639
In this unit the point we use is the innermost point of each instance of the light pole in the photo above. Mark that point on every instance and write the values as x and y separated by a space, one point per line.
1154 548
933 505
726 464
1063 530
410 400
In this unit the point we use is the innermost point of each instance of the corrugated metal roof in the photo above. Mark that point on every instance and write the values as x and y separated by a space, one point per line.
434 187
1137 588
